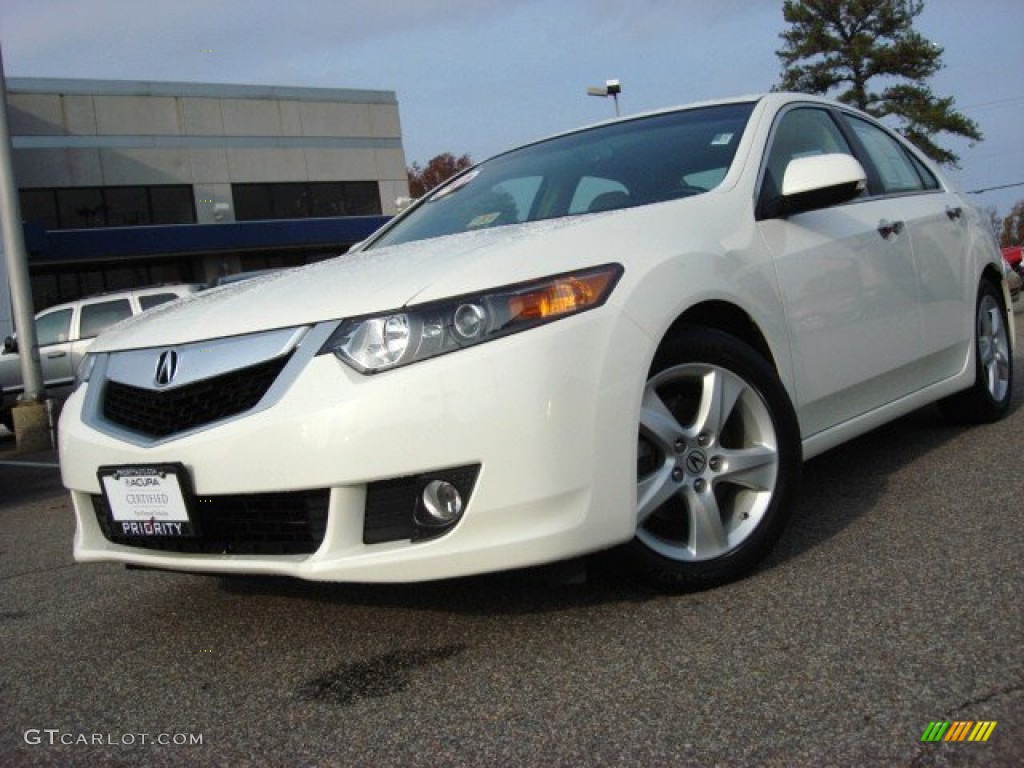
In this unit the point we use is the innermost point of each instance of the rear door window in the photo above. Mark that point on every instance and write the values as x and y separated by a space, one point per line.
99 316
897 170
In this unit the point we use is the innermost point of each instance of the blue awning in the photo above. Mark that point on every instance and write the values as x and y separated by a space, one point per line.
102 244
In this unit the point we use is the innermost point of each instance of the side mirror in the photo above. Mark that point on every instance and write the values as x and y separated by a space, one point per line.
820 181
10 345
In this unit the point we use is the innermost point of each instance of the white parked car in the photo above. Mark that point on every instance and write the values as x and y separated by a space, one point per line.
624 338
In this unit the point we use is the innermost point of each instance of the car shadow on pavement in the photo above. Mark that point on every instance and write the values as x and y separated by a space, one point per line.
843 484
839 487
555 587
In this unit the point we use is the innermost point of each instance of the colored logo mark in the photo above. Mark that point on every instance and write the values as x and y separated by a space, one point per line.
958 730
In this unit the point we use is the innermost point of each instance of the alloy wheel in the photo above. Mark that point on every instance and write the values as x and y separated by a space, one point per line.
993 347
707 462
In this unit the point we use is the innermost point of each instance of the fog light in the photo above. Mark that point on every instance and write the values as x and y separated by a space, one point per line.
441 504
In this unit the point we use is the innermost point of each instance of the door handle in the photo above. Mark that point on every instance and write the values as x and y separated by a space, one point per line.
889 229
954 212
55 355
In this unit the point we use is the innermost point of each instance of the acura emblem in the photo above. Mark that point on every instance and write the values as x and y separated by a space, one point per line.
166 367
696 462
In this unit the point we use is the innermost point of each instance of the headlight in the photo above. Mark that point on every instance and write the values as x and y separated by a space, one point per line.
392 339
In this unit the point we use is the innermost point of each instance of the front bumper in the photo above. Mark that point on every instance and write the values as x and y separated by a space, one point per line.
548 416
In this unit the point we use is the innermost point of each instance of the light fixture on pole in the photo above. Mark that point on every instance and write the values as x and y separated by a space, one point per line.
611 88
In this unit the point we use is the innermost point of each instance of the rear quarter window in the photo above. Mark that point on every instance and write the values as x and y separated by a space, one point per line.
155 299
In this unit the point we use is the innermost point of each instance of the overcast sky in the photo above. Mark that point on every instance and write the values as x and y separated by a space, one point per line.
477 76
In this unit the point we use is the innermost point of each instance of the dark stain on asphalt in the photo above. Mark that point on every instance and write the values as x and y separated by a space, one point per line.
374 678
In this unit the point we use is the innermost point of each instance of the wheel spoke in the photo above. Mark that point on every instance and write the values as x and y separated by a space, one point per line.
986 336
657 421
994 322
985 353
707 533
652 492
997 372
717 400
754 468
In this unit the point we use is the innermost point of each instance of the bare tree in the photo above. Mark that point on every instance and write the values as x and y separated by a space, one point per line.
438 169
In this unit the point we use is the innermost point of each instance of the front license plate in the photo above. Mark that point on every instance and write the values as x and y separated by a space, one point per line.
148 500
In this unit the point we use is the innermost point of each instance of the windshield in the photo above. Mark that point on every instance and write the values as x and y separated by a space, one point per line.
622 165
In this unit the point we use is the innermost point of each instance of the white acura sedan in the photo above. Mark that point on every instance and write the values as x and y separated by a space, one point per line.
626 338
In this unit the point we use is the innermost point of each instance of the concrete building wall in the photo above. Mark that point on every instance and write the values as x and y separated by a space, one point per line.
113 133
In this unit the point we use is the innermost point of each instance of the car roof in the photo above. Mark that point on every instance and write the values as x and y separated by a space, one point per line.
179 289
772 100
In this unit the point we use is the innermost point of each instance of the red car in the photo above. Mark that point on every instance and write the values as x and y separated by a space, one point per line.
1012 256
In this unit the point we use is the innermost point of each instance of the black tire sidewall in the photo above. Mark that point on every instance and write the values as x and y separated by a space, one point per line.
990 409
975 405
722 350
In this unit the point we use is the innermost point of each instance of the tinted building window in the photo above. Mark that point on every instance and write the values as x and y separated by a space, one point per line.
39 205
305 200
172 205
327 199
54 284
252 201
82 207
127 206
288 201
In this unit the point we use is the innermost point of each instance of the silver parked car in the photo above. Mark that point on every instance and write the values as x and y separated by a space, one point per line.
65 332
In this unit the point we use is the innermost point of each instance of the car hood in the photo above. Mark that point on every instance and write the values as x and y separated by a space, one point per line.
369 281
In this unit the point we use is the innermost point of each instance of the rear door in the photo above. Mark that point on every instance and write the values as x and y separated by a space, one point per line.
936 221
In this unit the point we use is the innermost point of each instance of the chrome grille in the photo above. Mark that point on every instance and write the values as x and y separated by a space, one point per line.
159 413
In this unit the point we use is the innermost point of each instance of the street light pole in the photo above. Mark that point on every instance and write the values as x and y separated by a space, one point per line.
31 431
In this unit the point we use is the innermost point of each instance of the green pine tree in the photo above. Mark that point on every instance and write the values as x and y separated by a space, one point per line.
844 45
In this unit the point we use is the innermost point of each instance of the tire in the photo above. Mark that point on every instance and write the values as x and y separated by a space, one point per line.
718 463
7 419
988 399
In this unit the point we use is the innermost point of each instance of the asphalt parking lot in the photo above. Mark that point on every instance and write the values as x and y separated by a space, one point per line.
895 599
